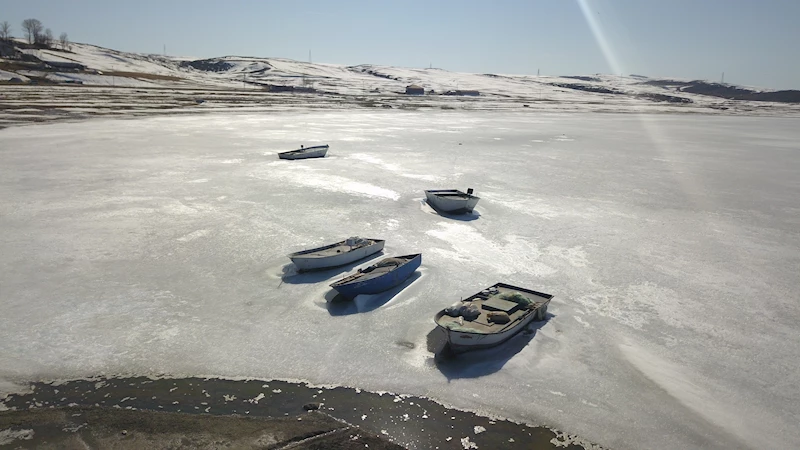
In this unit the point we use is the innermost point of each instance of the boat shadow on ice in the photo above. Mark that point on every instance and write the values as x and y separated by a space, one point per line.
338 305
290 275
467 217
478 363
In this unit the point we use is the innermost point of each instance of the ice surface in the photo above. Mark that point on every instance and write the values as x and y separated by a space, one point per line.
670 243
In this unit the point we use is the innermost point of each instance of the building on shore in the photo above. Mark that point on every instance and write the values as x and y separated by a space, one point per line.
413 89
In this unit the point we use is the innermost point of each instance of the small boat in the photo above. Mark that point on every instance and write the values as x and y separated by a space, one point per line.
491 316
452 201
338 254
386 274
318 151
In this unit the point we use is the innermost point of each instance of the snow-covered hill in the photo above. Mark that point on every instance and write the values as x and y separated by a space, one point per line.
92 65
52 84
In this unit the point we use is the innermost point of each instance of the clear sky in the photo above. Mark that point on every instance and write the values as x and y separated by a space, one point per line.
753 42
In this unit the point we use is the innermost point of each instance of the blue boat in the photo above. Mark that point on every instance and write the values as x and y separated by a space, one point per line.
385 274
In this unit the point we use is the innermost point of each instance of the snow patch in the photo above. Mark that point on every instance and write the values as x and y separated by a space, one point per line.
474 248
256 399
193 235
9 435
465 442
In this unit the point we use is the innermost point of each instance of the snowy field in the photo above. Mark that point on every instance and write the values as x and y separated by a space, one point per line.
671 244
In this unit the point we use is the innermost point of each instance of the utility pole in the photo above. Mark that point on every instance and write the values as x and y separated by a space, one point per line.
165 49
723 78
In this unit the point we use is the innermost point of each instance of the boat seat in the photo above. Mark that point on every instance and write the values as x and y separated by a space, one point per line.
498 304
391 262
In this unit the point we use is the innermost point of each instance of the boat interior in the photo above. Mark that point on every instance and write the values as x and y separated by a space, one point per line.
304 149
334 249
451 193
498 309
380 268
330 251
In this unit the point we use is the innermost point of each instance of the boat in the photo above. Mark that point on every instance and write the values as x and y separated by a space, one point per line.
318 151
491 316
452 201
338 254
385 274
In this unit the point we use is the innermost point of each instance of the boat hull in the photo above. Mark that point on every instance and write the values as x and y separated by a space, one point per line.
306 261
461 342
461 204
305 153
379 284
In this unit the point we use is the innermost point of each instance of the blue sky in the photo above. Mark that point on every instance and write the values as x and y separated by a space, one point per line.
753 42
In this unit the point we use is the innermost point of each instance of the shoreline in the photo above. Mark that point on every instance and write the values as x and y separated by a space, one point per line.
96 427
410 421
42 104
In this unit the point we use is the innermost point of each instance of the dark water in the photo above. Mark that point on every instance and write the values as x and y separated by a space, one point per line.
409 421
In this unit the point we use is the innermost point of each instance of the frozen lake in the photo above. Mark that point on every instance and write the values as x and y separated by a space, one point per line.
671 244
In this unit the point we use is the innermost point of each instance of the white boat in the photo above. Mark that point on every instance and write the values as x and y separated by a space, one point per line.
451 201
338 254
318 151
491 316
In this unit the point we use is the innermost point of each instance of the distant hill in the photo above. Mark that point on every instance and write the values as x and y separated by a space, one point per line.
728 91
86 64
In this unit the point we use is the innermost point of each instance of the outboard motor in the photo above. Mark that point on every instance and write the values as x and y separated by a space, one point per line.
469 191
